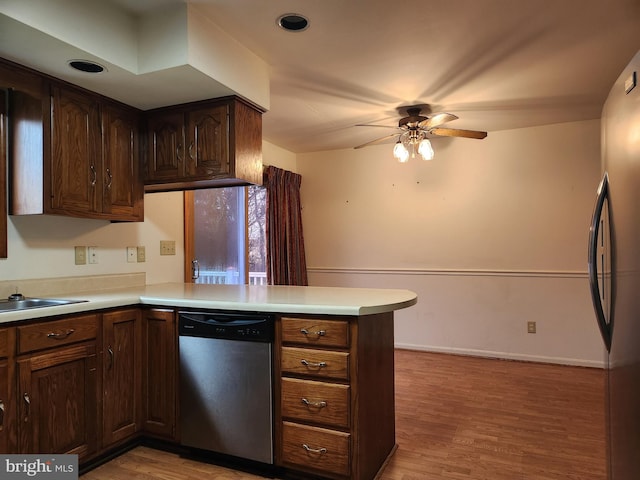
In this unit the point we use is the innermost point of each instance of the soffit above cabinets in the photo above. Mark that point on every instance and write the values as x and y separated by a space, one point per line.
170 55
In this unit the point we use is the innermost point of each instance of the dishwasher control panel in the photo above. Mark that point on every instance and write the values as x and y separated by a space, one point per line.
256 327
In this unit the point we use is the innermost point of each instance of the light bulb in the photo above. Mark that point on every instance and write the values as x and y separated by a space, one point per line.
425 149
400 152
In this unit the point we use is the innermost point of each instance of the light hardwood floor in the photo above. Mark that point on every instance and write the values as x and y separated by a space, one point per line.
459 418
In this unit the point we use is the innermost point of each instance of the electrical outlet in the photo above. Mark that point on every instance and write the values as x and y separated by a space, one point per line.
81 255
93 254
167 247
132 254
531 327
142 255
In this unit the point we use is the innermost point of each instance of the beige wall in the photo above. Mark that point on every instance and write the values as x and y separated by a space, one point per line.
490 234
42 246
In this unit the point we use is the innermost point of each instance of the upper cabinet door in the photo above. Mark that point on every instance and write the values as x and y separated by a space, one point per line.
3 174
122 184
76 173
208 142
166 146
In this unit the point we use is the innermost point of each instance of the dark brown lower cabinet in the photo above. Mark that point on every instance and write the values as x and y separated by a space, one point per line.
7 391
58 402
159 367
121 366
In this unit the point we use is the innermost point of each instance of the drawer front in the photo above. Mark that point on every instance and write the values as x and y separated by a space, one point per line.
309 331
313 448
318 402
4 343
317 363
56 333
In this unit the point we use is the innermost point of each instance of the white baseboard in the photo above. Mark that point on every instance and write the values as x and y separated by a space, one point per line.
503 355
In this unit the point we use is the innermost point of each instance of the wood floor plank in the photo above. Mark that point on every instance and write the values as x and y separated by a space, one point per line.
458 418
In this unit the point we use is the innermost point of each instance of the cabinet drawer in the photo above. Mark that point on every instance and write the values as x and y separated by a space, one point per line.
4 343
315 448
309 331
318 363
319 402
55 333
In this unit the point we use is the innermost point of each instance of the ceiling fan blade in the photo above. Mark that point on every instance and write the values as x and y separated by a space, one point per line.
454 132
372 125
437 119
377 140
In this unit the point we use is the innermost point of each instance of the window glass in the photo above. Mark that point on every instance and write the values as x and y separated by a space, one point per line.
228 231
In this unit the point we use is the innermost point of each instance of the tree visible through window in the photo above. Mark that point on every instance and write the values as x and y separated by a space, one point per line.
225 240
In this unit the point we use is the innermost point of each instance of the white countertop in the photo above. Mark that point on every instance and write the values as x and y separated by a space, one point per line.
277 299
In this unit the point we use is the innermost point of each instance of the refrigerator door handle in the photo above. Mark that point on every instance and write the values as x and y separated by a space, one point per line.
594 231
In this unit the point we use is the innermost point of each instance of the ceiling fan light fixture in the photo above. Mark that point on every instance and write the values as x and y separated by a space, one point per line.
400 152
425 149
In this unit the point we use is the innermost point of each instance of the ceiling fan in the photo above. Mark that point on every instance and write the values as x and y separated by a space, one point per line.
413 132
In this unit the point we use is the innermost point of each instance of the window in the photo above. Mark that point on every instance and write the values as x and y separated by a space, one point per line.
225 238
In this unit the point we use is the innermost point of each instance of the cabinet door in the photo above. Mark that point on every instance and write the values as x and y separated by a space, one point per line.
4 406
121 374
58 401
3 173
7 391
208 142
76 175
122 184
159 370
166 148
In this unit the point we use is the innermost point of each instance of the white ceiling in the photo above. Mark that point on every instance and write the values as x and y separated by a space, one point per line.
496 64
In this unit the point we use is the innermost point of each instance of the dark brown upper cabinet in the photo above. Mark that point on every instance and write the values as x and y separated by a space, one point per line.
3 173
18 138
90 161
71 152
203 144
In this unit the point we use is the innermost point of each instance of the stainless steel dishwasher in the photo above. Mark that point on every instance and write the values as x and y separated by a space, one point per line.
226 383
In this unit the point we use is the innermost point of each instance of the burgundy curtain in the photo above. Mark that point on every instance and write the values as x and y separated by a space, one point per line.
286 263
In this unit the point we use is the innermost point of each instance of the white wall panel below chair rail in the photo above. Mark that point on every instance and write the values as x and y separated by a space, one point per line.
486 312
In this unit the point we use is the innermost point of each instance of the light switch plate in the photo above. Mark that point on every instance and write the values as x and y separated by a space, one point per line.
81 255
132 254
142 254
167 247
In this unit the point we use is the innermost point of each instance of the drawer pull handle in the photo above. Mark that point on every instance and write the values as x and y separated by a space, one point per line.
27 407
320 451
320 404
60 336
319 333
1 415
313 364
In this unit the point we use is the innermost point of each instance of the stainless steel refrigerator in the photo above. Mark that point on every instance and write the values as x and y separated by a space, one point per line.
614 270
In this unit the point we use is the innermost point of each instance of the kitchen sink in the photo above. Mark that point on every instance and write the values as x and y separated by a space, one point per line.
27 303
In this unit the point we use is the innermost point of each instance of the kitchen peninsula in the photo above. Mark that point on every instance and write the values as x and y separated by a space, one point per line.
333 348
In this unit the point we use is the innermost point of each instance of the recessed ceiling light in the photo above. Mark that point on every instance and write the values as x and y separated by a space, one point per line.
293 22
87 66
